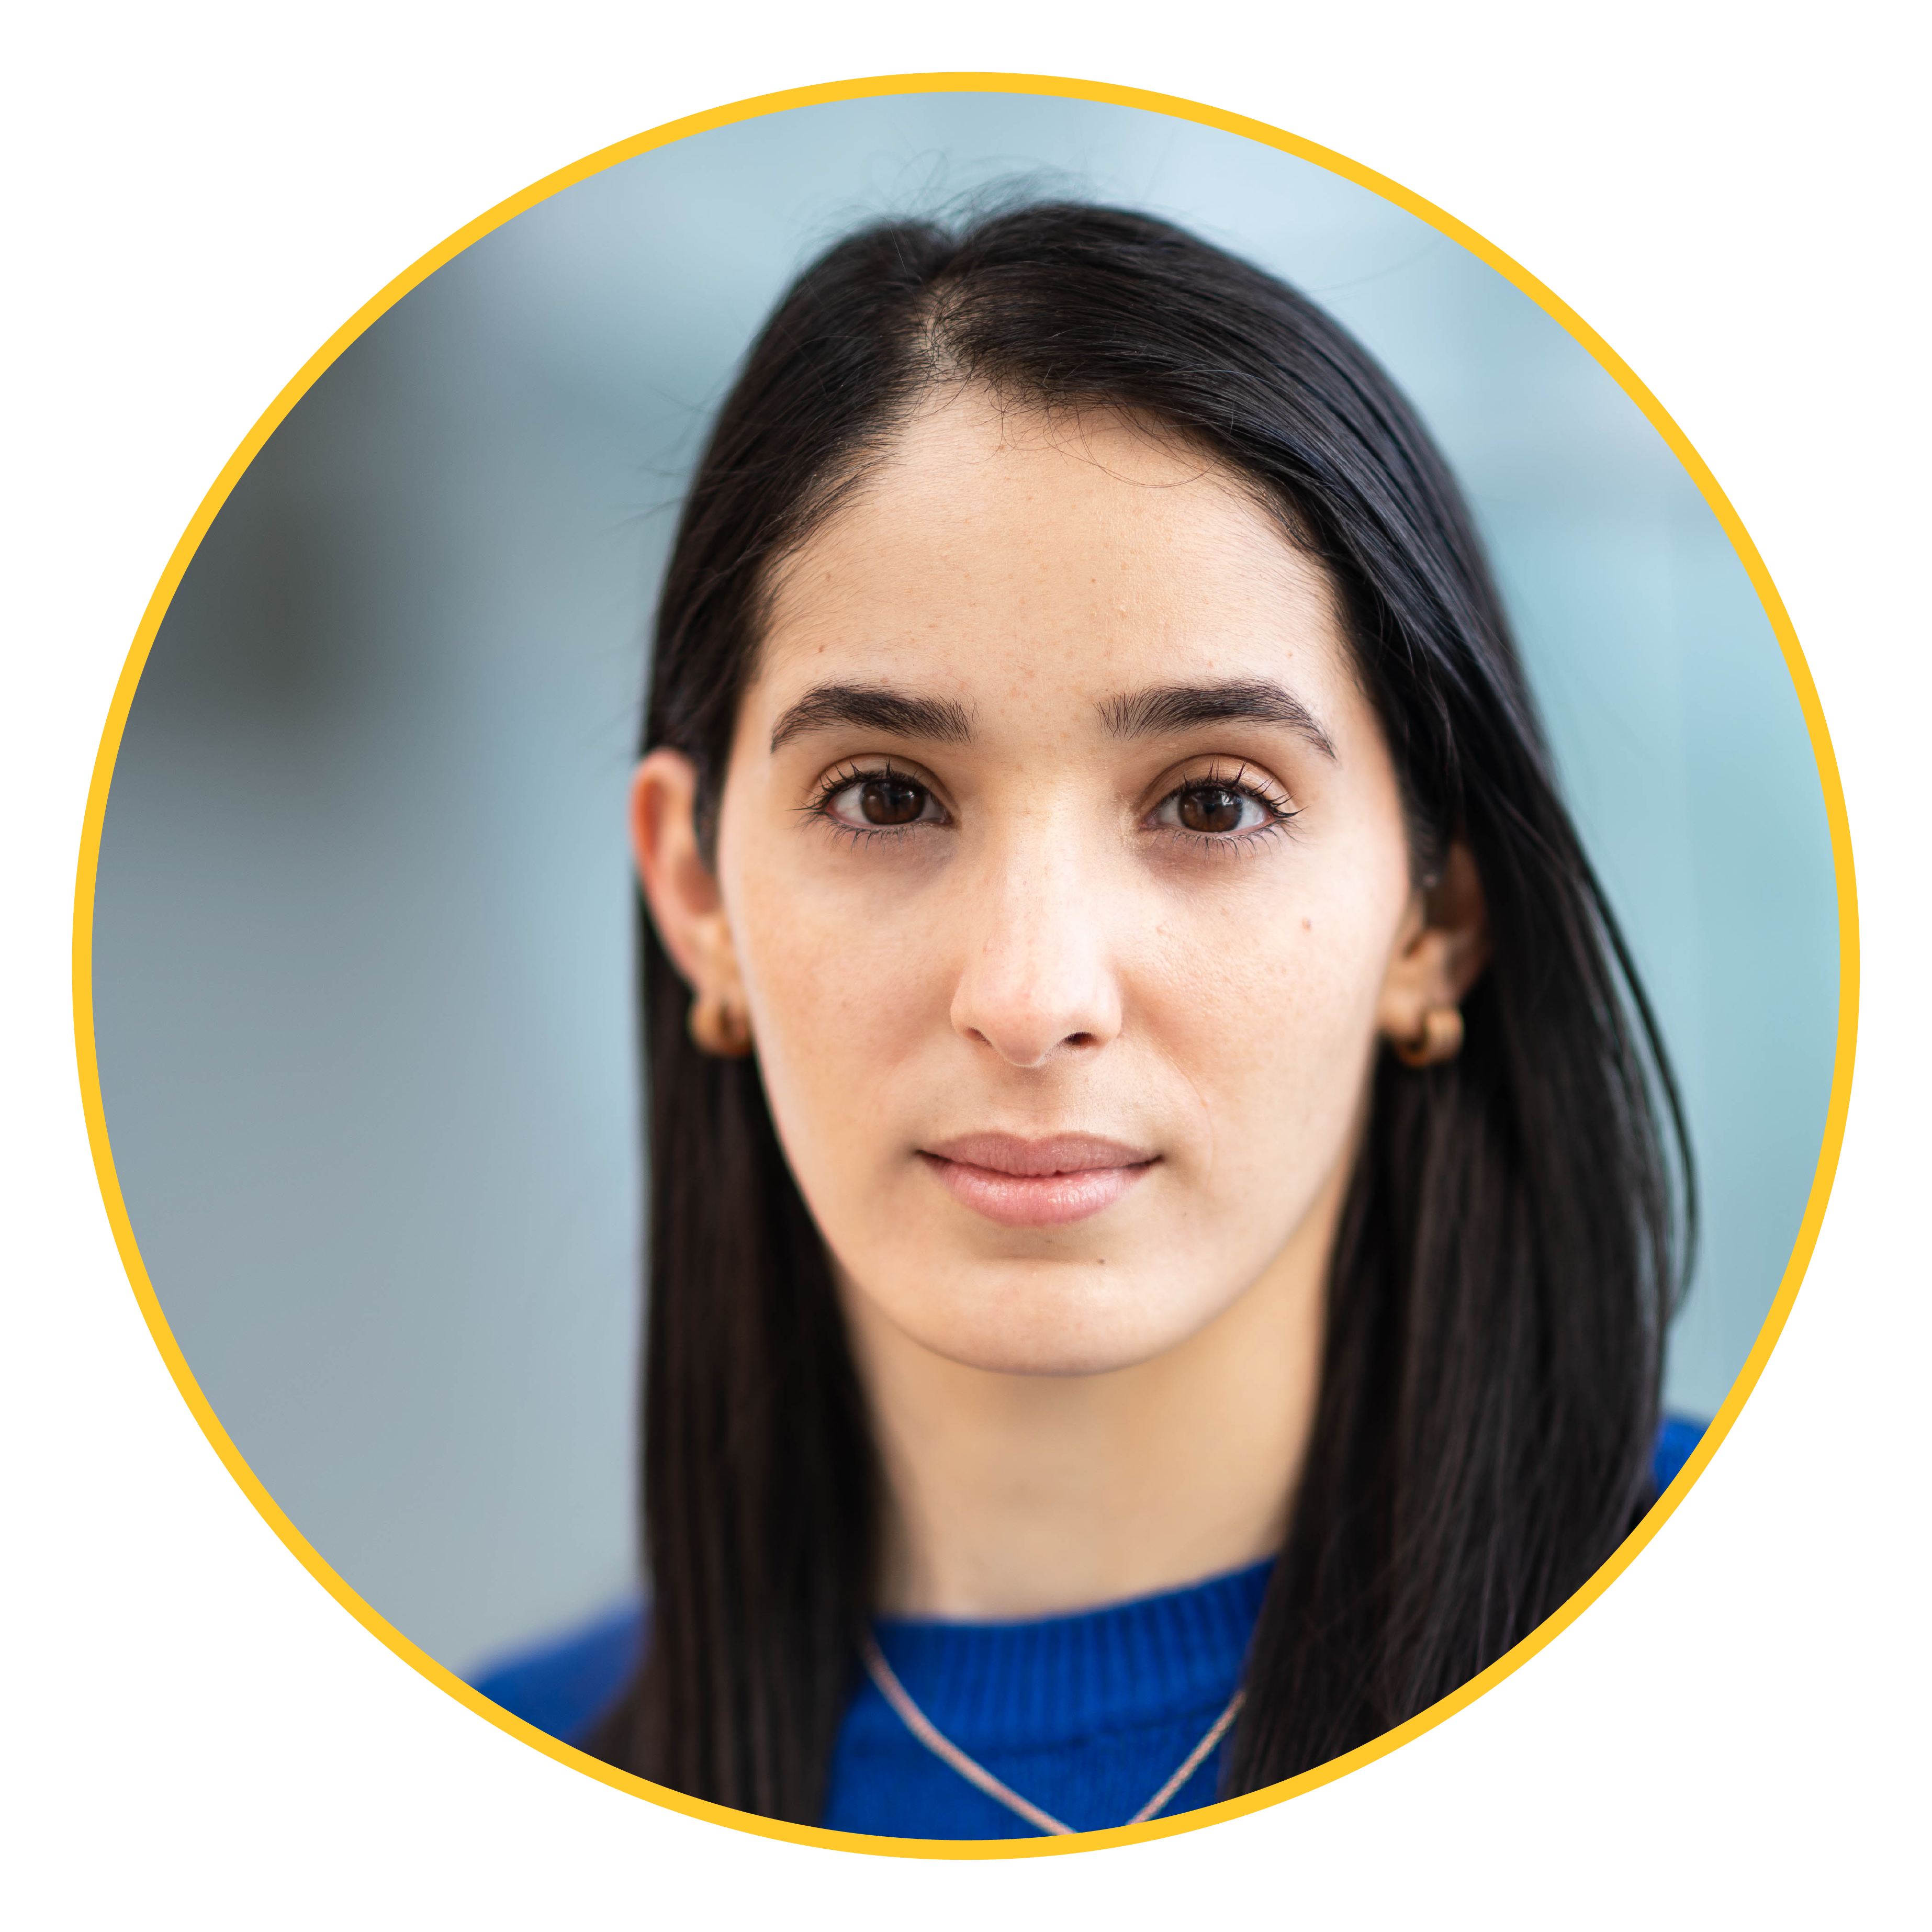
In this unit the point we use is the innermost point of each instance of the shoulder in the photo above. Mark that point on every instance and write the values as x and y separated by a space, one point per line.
564 1684
1676 1439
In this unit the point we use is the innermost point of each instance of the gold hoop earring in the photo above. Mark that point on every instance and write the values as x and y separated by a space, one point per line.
1439 1038
719 1027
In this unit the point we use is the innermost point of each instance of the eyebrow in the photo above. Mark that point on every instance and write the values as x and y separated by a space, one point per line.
1166 709
875 707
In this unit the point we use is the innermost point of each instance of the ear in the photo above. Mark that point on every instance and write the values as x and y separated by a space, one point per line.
679 888
1442 947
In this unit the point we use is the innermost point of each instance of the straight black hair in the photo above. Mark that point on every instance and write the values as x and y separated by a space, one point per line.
1510 1250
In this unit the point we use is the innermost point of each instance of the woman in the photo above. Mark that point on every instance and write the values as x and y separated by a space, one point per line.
1161 1235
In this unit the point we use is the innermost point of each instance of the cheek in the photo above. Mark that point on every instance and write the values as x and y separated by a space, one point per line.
1266 1008
841 994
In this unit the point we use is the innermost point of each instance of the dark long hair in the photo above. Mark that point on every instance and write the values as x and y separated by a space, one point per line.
1509 1251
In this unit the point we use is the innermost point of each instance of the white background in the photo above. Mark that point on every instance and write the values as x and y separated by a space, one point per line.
196 1732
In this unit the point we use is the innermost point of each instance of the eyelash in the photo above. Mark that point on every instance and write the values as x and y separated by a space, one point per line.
1274 802
1279 811
842 777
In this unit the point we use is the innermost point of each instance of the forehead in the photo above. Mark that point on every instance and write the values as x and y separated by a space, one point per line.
995 550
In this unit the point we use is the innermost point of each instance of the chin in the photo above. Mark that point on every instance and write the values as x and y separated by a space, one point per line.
1035 1329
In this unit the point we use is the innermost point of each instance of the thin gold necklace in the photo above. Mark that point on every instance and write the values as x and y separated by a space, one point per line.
942 1746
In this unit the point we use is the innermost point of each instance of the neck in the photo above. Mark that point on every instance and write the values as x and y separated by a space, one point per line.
1012 1495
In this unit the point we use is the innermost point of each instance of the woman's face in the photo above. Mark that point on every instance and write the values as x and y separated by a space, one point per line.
1062 870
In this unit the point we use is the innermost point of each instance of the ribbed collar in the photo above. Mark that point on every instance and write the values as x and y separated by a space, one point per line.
990 1684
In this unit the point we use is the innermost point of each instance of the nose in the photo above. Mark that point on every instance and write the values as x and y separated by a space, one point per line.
1038 979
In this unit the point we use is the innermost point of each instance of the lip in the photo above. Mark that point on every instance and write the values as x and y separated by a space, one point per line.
1036 1183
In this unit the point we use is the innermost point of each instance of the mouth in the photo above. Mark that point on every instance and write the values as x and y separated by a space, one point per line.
1036 1183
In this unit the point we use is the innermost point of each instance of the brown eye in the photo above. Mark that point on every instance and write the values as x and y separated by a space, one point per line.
1210 808
881 801
891 801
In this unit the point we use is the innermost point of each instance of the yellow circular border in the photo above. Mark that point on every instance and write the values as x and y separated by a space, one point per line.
1075 90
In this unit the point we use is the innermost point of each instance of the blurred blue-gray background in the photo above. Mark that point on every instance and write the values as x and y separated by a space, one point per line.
362 931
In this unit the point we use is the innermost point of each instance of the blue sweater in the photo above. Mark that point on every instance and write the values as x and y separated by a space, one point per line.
1087 1716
